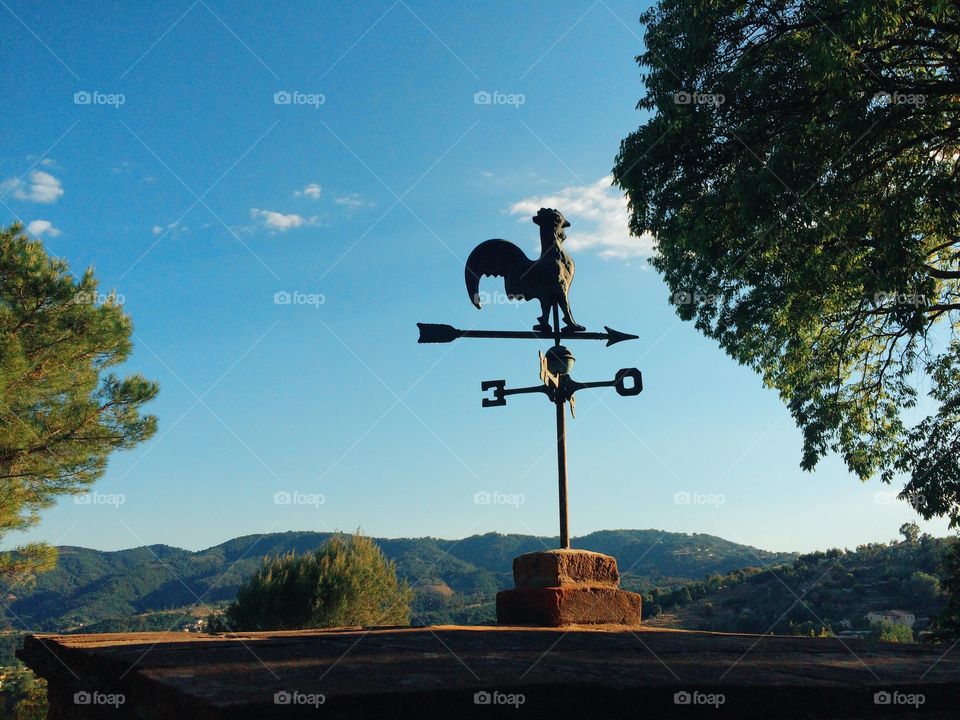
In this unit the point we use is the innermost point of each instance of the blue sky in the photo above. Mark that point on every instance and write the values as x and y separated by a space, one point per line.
205 157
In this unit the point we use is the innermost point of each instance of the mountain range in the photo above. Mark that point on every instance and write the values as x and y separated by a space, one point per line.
141 587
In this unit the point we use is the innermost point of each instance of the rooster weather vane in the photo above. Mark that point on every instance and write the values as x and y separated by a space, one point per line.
548 280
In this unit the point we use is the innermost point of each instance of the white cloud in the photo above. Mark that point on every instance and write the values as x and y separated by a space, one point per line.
41 228
352 200
48 162
174 226
311 191
41 188
598 216
279 221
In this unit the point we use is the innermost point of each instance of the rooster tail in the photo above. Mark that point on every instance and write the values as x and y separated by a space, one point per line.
473 286
499 258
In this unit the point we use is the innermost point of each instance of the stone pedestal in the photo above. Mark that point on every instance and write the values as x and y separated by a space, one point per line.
567 587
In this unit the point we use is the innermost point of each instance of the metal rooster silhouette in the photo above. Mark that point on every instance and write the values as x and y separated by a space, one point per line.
547 278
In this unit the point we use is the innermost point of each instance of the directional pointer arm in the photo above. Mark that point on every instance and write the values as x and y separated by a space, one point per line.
439 333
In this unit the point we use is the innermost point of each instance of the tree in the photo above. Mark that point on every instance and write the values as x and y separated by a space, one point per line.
893 632
910 532
949 619
801 175
922 587
61 412
347 581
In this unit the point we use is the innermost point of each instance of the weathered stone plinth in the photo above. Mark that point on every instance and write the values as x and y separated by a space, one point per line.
567 587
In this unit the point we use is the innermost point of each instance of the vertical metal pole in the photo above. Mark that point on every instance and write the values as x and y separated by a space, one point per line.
561 449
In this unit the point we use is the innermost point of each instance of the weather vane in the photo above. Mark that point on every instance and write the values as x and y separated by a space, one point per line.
548 280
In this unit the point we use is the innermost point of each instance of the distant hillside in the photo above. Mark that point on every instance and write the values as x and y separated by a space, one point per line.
820 592
455 579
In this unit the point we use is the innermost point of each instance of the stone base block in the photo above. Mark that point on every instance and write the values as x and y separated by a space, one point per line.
556 568
571 605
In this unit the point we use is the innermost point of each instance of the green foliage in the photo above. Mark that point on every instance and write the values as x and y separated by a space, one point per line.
347 581
804 194
118 590
22 695
924 587
62 412
950 572
891 632
818 593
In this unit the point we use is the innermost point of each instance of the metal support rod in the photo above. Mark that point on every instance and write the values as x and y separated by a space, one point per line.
561 449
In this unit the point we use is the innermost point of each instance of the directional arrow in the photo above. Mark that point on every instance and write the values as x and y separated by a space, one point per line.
434 333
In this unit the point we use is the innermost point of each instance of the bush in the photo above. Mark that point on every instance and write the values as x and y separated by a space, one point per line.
347 581
888 632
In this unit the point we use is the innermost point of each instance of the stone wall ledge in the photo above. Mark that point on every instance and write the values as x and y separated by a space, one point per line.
450 671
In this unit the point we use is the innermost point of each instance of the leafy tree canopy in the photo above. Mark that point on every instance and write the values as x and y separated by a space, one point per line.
800 174
61 411
347 581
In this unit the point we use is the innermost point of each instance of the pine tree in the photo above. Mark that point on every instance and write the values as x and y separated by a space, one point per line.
61 411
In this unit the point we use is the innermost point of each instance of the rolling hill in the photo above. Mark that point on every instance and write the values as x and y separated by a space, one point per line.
455 579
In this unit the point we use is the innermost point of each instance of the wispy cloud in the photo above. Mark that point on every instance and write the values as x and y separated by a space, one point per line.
174 226
279 221
598 215
41 228
40 188
312 190
352 200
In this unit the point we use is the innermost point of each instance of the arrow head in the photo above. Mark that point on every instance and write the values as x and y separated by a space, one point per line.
615 336
436 333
